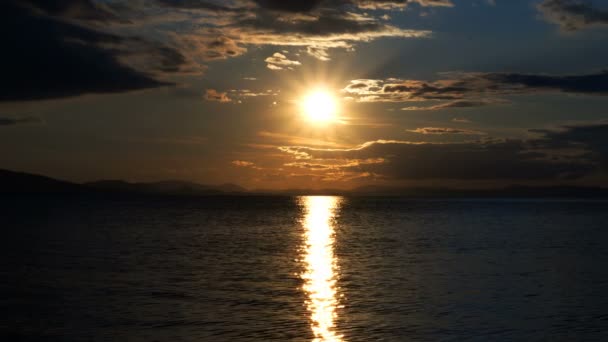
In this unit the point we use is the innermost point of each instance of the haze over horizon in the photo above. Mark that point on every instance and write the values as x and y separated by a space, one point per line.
311 94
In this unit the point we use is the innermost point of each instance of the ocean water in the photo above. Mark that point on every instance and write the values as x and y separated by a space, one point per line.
303 269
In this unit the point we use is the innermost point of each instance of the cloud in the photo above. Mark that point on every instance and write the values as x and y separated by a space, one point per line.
324 30
593 138
185 140
58 49
596 84
4 121
242 163
203 48
461 120
214 95
556 155
392 4
281 138
289 6
335 164
247 93
278 61
246 164
318 53
318 25
75 47
445 130
85 10
301 6
573 15
456 104
203 5
466 89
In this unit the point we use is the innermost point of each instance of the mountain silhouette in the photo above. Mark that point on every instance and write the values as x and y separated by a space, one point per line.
25 183
20 182
169 187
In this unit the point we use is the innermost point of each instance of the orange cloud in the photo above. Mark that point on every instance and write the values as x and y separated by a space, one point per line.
214 95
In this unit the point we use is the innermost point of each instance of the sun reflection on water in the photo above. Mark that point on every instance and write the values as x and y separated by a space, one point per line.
320 265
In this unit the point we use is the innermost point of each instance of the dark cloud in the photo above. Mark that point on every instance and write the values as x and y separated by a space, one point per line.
573 15
328 22
208 47
457 104
4 121
589 83
593 137
48 55
75 47
316 25
274 5
289 6
309 5
465 89
85 10
199 5
462 104
570 153
304 6
318 32
445 130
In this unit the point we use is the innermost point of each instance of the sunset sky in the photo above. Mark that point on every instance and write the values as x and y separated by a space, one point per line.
459 93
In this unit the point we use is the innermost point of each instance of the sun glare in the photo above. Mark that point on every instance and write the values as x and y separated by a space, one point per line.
320 106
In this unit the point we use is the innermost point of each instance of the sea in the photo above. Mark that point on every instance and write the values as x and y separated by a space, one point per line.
303 268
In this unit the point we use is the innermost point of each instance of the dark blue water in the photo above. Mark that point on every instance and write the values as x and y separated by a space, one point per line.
296 269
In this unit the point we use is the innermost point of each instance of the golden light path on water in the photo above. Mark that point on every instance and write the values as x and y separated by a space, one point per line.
320 265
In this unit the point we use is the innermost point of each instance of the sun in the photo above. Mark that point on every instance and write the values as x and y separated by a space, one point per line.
319 106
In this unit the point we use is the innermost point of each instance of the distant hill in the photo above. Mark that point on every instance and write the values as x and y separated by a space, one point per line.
229 187
24 183
171 187
19 182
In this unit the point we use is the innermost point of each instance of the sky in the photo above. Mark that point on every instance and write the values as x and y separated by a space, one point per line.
425 93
